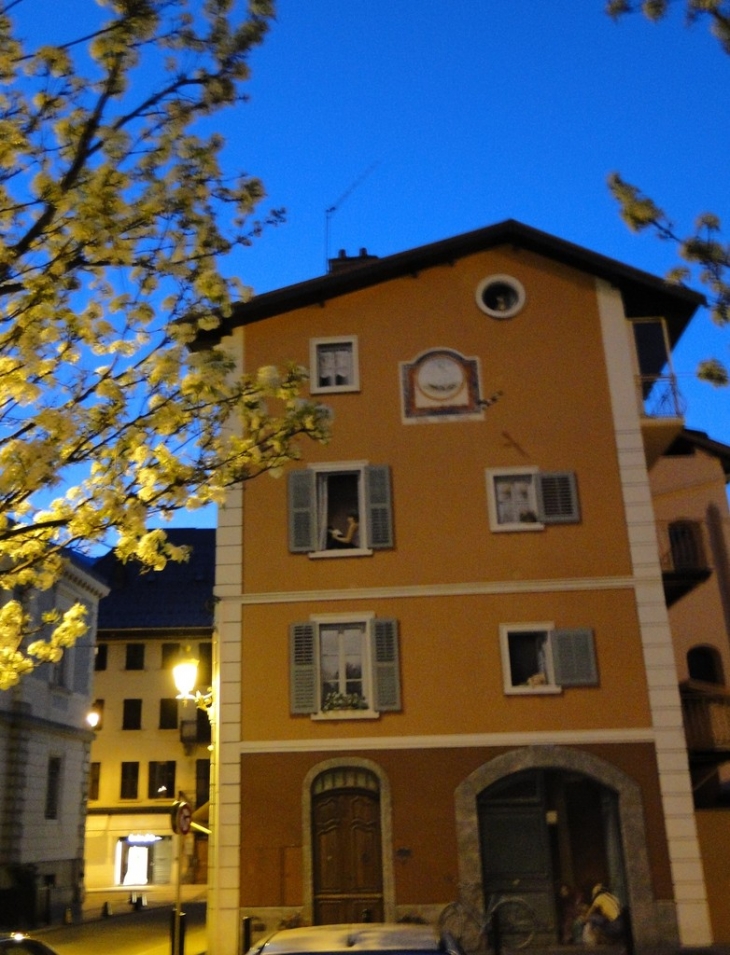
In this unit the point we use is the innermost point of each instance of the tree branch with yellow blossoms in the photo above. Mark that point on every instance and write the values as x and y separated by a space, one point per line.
703 249
116 216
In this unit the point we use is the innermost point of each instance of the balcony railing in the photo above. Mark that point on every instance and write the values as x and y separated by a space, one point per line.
659 396
706 722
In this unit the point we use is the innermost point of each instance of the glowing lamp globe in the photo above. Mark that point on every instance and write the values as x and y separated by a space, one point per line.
185 675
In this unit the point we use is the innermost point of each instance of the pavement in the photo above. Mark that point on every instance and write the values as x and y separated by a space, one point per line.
118 900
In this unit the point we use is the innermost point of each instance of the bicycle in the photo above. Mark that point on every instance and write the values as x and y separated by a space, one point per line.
509 922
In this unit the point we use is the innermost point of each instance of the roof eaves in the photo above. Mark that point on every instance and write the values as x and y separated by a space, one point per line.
644 294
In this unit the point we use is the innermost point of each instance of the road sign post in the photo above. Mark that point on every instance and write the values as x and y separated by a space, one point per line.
181 817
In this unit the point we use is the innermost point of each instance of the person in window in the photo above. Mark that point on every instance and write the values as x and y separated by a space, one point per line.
604 919
347 538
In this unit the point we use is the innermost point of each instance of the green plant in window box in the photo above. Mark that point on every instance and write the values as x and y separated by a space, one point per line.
344 701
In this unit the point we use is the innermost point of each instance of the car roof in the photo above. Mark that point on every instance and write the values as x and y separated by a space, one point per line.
370 937
21 944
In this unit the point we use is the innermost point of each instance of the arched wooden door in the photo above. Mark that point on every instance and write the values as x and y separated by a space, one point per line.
346 848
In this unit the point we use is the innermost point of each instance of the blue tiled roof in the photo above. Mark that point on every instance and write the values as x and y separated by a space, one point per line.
180 596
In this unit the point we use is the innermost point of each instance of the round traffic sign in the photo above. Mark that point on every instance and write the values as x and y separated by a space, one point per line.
181 818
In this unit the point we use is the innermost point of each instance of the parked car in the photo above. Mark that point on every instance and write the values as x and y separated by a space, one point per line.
365 939
20 944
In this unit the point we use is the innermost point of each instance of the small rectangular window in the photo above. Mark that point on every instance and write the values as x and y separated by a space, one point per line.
525 499
334 365
53 787
130 781
537 658
205 664
94 780
100 656
161 780
134 657
168 714
132 715
170 655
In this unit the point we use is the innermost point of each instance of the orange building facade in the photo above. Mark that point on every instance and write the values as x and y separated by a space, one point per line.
444 660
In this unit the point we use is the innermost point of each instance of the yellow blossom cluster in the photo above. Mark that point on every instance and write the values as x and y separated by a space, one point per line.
116 215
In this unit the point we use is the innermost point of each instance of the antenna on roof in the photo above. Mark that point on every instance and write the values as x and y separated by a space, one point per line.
328 213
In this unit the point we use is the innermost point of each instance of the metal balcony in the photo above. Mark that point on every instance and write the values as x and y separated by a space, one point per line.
662 409
682 554
707 724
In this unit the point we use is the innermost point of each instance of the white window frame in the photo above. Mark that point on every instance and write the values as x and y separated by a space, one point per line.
506 630
359 619
524 474
381 681
319 346
545 490
350 467
571 640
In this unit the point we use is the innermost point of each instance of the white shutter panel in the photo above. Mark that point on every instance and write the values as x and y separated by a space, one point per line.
574 657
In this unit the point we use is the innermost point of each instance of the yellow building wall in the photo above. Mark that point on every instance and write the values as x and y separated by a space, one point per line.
451 669
713 829
554 413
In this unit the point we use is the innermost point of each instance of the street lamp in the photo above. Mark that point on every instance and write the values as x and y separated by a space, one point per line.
93 718
185 675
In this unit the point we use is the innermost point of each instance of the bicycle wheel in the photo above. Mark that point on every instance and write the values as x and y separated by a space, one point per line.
516 922
457 921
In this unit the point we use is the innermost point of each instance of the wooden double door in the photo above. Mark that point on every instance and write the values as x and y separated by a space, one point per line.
347 857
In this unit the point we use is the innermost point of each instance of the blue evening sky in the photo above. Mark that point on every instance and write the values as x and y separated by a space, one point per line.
422 119
447 117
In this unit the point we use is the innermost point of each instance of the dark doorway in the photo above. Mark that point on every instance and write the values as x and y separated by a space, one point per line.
550 836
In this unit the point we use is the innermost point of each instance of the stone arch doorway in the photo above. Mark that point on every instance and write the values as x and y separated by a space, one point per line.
508 806
347 843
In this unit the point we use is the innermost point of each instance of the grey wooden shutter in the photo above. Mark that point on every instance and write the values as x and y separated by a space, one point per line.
302 667
378 506
574 657
557 495
386 665
302 510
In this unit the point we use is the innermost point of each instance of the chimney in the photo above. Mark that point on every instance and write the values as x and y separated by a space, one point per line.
345 262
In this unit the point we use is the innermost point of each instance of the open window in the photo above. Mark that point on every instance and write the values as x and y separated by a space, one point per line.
344 666
537 658
340 510
524 499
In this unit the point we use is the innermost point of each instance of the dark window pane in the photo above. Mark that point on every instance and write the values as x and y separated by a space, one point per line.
168 714
53 787
170 655
132 718
130 781
94 778
135 656
161 782
100 656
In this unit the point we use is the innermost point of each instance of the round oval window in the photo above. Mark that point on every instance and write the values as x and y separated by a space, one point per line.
500 296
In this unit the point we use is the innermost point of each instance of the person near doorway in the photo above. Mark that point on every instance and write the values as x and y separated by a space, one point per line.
603 920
